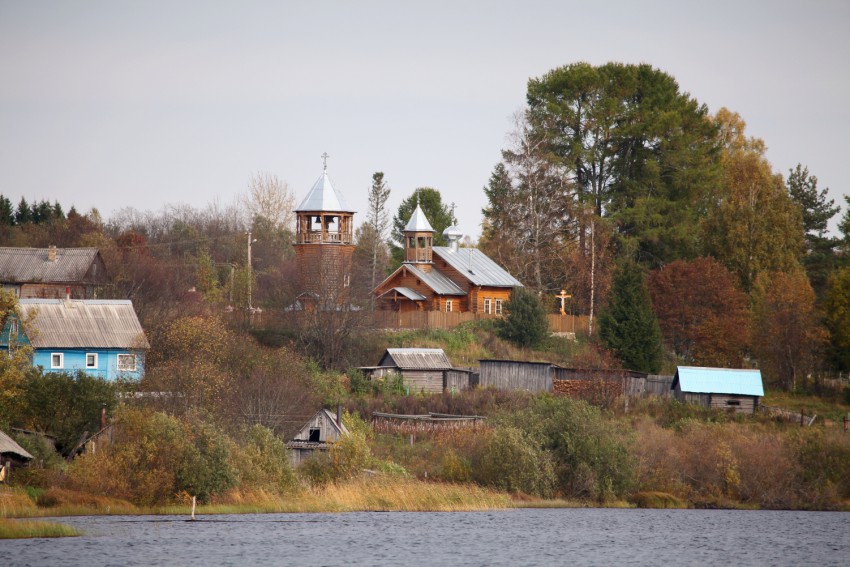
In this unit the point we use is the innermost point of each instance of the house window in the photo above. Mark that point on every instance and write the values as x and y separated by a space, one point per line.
13 327
498 306
487 305
346 280
448 305
91 360
127 362
315 435
57 360
733 402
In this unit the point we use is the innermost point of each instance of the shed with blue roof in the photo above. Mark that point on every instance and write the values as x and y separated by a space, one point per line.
719 388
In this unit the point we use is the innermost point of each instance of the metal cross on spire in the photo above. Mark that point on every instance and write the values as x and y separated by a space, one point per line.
325 157
453 212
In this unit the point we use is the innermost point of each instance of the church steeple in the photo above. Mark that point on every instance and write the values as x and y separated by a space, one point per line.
418 238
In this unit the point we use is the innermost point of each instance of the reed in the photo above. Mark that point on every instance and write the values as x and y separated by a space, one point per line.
19 529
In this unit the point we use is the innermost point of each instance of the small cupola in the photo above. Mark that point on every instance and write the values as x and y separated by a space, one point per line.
418 238
323 217
452 235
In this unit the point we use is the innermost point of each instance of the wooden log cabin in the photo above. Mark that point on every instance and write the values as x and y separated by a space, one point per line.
719 388
318 434
423 370
52 273
444 278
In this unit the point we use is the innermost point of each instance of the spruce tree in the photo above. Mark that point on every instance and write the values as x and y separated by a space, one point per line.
628 325
525 323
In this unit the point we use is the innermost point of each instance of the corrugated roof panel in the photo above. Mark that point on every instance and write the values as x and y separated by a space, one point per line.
700 380
411 294
418 222
324 197
419 358
477 267
56 323
29 265
440 283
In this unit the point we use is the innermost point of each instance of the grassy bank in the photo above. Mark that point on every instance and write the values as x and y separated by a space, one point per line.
21 529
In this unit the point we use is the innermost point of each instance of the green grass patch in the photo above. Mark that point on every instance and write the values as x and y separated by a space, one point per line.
21 529
825 408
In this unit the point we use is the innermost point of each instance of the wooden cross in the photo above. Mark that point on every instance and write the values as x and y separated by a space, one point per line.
325 157
563 297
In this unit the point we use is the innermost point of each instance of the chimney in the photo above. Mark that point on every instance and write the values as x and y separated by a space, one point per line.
103 416
339 415
68 293
51 253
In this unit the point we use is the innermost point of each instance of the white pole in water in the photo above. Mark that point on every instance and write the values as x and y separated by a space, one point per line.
193 507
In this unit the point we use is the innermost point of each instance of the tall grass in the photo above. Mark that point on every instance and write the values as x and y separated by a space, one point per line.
14 529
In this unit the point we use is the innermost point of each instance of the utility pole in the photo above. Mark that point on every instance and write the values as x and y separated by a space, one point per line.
250 272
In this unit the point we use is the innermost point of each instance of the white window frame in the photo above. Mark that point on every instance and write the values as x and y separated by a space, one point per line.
88 366
488 306
497 306
448 306
123 369
61 364
13 327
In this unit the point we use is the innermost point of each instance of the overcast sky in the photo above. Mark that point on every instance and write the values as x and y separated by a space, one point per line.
111 104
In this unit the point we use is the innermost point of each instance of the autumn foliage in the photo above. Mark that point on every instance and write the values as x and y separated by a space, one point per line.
704 315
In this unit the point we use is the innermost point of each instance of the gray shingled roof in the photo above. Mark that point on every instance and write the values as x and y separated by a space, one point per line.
416 358
32 264
476 266
8 445
437 281
92 323
324 197
418 222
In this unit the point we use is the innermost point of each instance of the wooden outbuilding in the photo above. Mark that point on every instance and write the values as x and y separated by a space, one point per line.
426 370
516 375
323 430
719 388
11 455
52 272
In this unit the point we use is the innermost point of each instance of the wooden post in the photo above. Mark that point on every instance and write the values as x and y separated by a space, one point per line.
801 417
193 507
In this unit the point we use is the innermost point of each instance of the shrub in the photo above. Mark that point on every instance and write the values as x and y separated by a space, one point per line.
525 323
513 462
262 462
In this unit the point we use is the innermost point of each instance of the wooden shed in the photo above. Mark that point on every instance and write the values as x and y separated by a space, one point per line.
323 430
426 370
11 454
719 388
515 375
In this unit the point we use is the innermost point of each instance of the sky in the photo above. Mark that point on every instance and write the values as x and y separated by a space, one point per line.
145 104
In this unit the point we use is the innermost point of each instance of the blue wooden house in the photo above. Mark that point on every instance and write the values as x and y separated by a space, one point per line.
99 337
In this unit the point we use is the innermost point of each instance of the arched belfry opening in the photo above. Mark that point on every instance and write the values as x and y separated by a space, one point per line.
324 242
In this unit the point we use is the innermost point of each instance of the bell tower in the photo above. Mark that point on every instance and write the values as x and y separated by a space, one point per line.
418 238
324 244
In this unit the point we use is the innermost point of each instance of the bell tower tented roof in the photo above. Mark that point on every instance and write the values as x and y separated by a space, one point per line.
418 222
324 197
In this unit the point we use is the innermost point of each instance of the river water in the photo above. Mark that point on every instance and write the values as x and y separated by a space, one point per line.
509 537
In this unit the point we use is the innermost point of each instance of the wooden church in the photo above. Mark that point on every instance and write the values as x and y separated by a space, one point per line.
324 246
444 278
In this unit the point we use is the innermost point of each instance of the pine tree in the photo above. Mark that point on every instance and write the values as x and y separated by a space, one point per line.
525 323
23 215
628 325
7 211
378 220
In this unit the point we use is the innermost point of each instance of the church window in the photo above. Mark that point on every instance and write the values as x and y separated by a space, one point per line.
487 305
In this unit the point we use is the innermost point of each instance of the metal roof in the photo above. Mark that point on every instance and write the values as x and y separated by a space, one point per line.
437 281
32 264
408 293
699 380
476 266
324 197
91 323
417 358
418 222
8 445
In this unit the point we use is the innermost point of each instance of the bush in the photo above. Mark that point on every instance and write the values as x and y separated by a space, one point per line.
514 463
262 462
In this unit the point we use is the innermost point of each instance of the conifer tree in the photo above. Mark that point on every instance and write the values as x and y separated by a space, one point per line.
628 325
525 323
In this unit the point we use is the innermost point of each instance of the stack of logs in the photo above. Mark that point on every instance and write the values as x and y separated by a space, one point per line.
598 392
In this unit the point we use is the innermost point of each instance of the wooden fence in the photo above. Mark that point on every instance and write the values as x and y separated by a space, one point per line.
451 319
